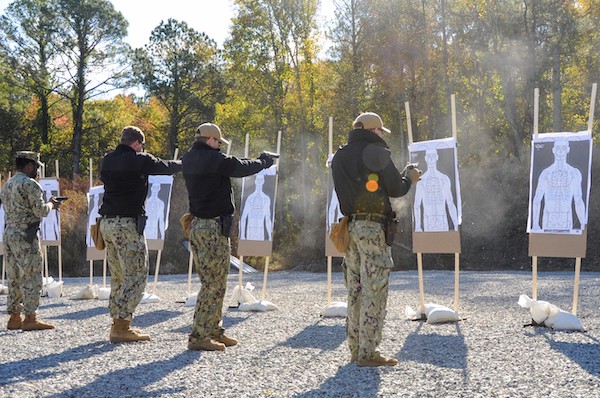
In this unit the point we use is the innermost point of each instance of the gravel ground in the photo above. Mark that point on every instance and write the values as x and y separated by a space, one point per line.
293 352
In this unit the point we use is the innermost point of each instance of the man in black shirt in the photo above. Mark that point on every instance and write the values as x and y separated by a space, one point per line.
365 178
207 173
124 173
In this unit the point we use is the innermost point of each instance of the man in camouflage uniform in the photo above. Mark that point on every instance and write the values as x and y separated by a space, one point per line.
24 207
124 173
207 173
365 178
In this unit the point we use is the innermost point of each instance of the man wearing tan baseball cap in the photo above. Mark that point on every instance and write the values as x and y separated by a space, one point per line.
208 172
209 130
369 121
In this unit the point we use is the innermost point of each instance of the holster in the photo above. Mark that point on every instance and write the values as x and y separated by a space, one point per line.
390 227
31 231
141 223
225 223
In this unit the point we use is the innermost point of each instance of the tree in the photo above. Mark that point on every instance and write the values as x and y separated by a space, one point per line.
93 55
27 36
182 69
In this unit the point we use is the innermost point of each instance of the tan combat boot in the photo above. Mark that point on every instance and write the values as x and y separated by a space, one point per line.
206 344
120 332
227 341
379 360
31 323
15 322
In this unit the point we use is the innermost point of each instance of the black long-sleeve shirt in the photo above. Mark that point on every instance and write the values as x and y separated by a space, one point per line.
207 173
366 158
124 173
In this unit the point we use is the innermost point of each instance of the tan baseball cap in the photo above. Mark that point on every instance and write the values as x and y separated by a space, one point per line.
368 121
29 155
211 130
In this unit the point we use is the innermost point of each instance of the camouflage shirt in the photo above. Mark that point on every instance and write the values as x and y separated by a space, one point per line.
23 200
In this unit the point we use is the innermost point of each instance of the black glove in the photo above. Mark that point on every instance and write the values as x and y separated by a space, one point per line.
266 160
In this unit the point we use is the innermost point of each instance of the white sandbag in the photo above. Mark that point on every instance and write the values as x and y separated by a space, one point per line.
3 289
563 320
442 314
104 293
540 310
54 289
335 309
434 313
149 298
190 301
242 296
47 281
88 292
258 306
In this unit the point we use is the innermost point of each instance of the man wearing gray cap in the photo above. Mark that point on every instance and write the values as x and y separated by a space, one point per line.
24 206
207 172
365 178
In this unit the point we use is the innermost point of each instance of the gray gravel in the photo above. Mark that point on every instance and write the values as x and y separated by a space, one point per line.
295 353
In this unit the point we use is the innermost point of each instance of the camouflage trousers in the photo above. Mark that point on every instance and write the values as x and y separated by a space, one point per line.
368 264
128 263
24 271
211 252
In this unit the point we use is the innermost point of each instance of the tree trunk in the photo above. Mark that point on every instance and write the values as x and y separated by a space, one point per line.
556 90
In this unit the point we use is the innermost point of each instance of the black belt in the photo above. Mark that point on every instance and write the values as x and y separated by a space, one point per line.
375 217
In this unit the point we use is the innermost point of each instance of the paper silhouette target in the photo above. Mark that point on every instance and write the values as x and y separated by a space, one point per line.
157 207
94 198
258 212
437 203
50 225
559 183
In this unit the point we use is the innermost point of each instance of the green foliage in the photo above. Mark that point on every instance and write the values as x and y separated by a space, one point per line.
181 68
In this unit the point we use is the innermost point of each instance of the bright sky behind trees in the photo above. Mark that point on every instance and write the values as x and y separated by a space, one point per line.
212 17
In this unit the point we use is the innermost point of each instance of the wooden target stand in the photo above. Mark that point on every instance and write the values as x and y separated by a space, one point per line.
330 249
253 247
45 272
436 242
559 245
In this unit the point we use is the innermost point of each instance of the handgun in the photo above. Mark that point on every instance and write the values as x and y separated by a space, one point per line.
61 198
410 165
271 154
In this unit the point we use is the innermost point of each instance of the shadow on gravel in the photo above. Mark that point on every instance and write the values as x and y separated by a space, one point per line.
151 318
435 349
129 382
40 368
83 314
325 337
350 380
228 321
586 355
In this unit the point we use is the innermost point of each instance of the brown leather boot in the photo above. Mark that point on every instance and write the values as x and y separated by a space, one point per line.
379 360
31 323
206 344
15 322
120 332
228 341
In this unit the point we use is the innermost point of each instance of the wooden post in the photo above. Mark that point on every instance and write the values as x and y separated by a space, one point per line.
456 255
56 167
91 261
576 285
536 113
241 270
329 259
266 272
419 255
190 267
